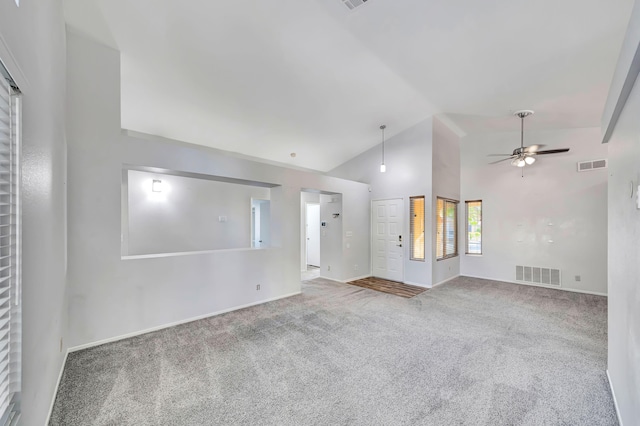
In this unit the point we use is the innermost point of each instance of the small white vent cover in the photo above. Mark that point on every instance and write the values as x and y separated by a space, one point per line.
534 274
585 166
352 4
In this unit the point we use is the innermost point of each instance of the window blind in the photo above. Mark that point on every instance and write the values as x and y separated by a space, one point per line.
10 252
446 228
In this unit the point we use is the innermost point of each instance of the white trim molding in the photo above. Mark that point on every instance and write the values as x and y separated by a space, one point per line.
615 401
361 277
552 287
173 324
445 281
416 284
10 63
55 393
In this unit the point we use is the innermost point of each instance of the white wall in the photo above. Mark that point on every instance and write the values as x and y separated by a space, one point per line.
446 184
32 46
110 296
331 240
408 160
517 211
185 215
624 261
624 239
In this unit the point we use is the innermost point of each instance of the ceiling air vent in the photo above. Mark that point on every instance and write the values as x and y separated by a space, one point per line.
352 4
585 166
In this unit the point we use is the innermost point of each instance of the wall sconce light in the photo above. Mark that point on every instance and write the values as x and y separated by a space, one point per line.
383 167
156 186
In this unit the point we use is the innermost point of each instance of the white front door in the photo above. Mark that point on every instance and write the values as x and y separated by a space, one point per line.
386 239
313 234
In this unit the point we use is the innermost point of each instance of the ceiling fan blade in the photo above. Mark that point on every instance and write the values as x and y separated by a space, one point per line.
499 155
553 151
532 148
504 159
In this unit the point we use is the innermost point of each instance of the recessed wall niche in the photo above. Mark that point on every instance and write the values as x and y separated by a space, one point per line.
167 212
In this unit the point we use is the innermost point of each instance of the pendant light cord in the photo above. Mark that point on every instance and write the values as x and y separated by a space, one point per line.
382 128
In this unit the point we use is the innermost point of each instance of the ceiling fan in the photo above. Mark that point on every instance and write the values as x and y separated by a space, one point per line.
525 155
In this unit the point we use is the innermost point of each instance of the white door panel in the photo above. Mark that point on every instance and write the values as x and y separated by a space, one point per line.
387 250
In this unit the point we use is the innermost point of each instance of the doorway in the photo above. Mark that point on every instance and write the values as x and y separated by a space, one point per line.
260 223
386 239
312 227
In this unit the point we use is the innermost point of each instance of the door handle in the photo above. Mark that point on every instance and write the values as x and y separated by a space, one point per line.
399 245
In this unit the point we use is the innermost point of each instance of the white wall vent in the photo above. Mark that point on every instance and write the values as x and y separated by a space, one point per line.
537 275
352 4
585 166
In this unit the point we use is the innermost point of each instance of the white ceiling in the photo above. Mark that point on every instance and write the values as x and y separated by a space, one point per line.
309 76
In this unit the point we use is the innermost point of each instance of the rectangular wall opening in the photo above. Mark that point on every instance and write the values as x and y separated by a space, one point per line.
171 213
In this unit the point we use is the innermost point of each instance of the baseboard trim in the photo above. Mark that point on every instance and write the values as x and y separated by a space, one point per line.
356 278
613 395
175 323
55 393
332 279
445 281
416 284
552 287
347 281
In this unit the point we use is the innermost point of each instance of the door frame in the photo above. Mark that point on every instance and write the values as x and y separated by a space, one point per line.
372 233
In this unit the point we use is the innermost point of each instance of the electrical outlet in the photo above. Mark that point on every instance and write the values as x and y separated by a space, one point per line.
355 267
258 287
578 278
328 267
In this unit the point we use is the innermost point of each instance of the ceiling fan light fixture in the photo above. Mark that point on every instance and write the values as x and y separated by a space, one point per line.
525 155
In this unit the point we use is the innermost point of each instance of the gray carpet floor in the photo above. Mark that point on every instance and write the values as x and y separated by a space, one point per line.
470 352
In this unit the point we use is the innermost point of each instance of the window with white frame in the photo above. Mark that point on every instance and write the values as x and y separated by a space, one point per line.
10 250
446 228
474 227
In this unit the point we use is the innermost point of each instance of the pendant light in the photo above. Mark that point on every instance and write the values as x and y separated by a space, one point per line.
383 167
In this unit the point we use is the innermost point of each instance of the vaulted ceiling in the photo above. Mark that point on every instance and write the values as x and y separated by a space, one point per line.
266 78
